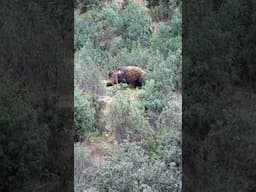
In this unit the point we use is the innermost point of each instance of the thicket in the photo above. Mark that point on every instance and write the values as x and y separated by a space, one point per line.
147 160
162 10
127 118
87 111
130 168
107 37
82 169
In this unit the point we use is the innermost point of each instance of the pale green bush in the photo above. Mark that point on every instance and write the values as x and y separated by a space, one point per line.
127 120
84 115
83 169
87 71
129 169
134 24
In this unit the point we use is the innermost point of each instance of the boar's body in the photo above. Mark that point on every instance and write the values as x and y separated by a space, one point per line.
130 75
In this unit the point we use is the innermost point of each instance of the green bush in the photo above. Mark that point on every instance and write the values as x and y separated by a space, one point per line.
83 169
129 169
107 17
165 174
123 171
174 60
156 99
138 56
94 26
163 9
134 24
168 38
165 66
168 124
107 38
163 77
152 98
163 42
176 22
98 105
84 115
166 72
170 119
87 70
86 29
160 12
128 121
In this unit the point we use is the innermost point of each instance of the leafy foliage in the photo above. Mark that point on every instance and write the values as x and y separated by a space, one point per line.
82 168
134 24
130 169
84 115
163 9
147 128
165 72
128 121
86 69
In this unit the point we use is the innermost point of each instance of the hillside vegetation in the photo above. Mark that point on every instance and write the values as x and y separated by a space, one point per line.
128 139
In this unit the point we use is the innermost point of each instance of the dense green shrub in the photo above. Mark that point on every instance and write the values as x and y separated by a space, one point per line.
163 9
163 77
166 150
159 12
117 44
128 121
166 72
175 63
176 22
107 17
137 56
88 111
162 42
168 38
168 126
123 171
152 98
85 29
82 169
96 25
170 119
134 24
129 169
165 174
98 105
165 66
106 38
87 71
84 115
